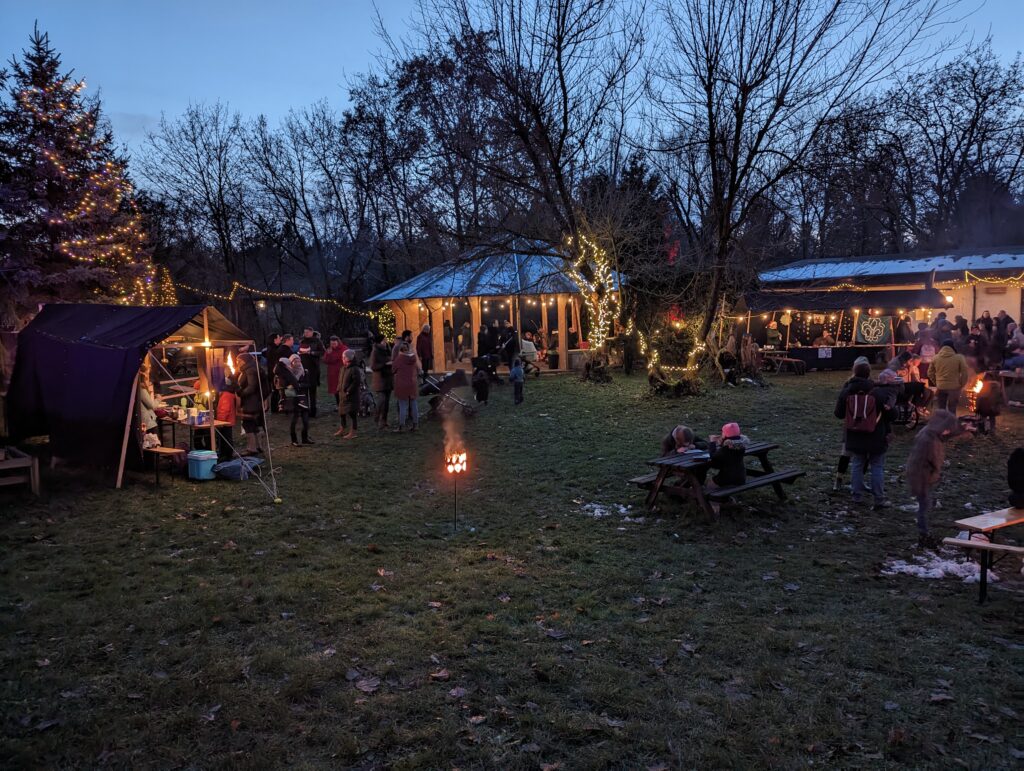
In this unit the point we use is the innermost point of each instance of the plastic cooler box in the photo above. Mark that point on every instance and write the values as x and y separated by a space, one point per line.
201 463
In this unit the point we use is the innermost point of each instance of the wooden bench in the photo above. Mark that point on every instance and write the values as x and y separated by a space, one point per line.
762 479
163 452
644 480
988 551
26 468
796 366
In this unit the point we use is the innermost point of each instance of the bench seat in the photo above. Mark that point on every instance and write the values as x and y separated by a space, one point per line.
995 548
772 478
644 480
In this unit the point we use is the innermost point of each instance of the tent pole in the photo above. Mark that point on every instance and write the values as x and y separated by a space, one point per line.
206 325
127 430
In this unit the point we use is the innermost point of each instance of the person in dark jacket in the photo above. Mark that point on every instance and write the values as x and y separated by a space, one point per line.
1015 477
382 380
284 349
510 343
924 467
311 349
252 384
292 374
989 402
681 439
425 349
860 402
272 353
481 385
483 341
350 389
728 451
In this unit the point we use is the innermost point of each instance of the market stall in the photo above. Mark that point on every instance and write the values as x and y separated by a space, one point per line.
829 329
78 370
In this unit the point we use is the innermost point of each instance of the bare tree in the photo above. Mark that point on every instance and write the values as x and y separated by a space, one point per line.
740 91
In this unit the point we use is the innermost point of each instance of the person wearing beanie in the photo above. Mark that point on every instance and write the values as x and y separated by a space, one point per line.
950 373
728 451
866 411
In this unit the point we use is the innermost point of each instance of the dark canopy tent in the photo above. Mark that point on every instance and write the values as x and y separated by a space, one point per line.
822 301
77 365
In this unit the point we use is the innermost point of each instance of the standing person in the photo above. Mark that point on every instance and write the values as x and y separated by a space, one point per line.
293 375
284 350
449 342
227 412
1003 320
517 377
382 381
333 359
773 337
350 389
251 386
425 349
311 349
405 365
405 337
989 402
985 321
950 374
866 414
924 467
481 385
494 338
465 342
483 341
272 353
510 343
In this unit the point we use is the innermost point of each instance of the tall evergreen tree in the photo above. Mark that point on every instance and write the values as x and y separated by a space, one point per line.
69 228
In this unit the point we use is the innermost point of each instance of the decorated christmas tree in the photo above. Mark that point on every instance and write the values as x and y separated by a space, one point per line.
69 227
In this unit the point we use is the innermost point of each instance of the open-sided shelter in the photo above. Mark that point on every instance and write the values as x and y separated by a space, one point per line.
77 365
529 289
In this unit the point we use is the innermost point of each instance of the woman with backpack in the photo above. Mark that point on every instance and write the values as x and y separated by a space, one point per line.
866 411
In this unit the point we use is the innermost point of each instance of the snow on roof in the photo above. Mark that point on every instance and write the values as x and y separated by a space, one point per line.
1004 259
494 275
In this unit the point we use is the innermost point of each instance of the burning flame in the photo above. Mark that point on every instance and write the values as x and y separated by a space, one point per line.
978 385
231 364
456 463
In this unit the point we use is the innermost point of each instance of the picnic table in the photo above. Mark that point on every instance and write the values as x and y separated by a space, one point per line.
683 475
988 524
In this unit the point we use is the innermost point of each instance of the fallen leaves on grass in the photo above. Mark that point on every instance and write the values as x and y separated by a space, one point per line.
504 598
477 719
42 662
457 692
440 675
229 545
385 573
368 684
211 714
940 698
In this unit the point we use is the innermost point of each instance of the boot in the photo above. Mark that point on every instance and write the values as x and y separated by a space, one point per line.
307 440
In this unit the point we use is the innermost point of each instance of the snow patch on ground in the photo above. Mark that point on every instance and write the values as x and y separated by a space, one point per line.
932 565
602 510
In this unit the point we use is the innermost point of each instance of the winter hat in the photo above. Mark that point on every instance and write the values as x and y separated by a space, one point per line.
861 360
887 376
948 344
731 431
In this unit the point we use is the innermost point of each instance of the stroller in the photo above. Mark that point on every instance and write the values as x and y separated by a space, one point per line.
443 399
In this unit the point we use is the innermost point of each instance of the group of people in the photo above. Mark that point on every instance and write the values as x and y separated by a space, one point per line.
867 407
990 342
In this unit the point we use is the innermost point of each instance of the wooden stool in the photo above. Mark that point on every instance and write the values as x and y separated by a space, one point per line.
15 461
163 452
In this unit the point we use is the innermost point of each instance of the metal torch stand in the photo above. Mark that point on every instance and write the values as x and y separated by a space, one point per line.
455 484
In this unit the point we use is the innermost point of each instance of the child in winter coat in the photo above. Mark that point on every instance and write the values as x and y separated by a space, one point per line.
481 385
517 376
990 402
924 466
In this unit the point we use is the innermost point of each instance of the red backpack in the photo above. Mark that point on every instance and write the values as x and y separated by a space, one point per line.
861 413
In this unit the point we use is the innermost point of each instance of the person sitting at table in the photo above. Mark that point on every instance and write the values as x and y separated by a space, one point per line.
825 340
680 439
728 451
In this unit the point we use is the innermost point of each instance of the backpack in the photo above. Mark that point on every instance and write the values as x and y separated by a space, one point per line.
862 414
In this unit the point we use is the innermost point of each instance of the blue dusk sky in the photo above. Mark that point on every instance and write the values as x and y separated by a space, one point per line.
149 57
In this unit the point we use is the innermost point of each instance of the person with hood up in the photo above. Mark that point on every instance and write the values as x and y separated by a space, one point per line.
924 467
728 451
406 367
950 373
866 412
989 402
350 389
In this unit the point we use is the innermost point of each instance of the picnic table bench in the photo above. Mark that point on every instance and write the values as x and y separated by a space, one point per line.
25 469
989 524
683 474
171 454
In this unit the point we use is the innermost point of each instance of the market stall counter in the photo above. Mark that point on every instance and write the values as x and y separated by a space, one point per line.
836 357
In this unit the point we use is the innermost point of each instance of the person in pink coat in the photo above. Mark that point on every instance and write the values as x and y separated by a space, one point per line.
406 368
333 360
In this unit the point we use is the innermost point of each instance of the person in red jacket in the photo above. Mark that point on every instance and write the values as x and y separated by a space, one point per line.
227 412
333 359
405 366
425 349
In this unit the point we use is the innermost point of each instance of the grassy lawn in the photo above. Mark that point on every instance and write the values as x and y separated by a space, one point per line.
200 625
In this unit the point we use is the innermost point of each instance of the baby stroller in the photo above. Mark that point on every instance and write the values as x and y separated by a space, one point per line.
443 399
905 412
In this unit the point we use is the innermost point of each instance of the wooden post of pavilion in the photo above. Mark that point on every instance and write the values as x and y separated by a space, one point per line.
476 320
563 334
437 334
209 383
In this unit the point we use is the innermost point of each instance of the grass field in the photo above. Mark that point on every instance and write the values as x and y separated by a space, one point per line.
199 625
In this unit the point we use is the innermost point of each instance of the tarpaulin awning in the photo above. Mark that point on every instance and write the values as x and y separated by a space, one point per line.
76 365
822 301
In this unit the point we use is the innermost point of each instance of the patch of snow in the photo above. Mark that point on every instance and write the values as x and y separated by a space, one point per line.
602 510
931 565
